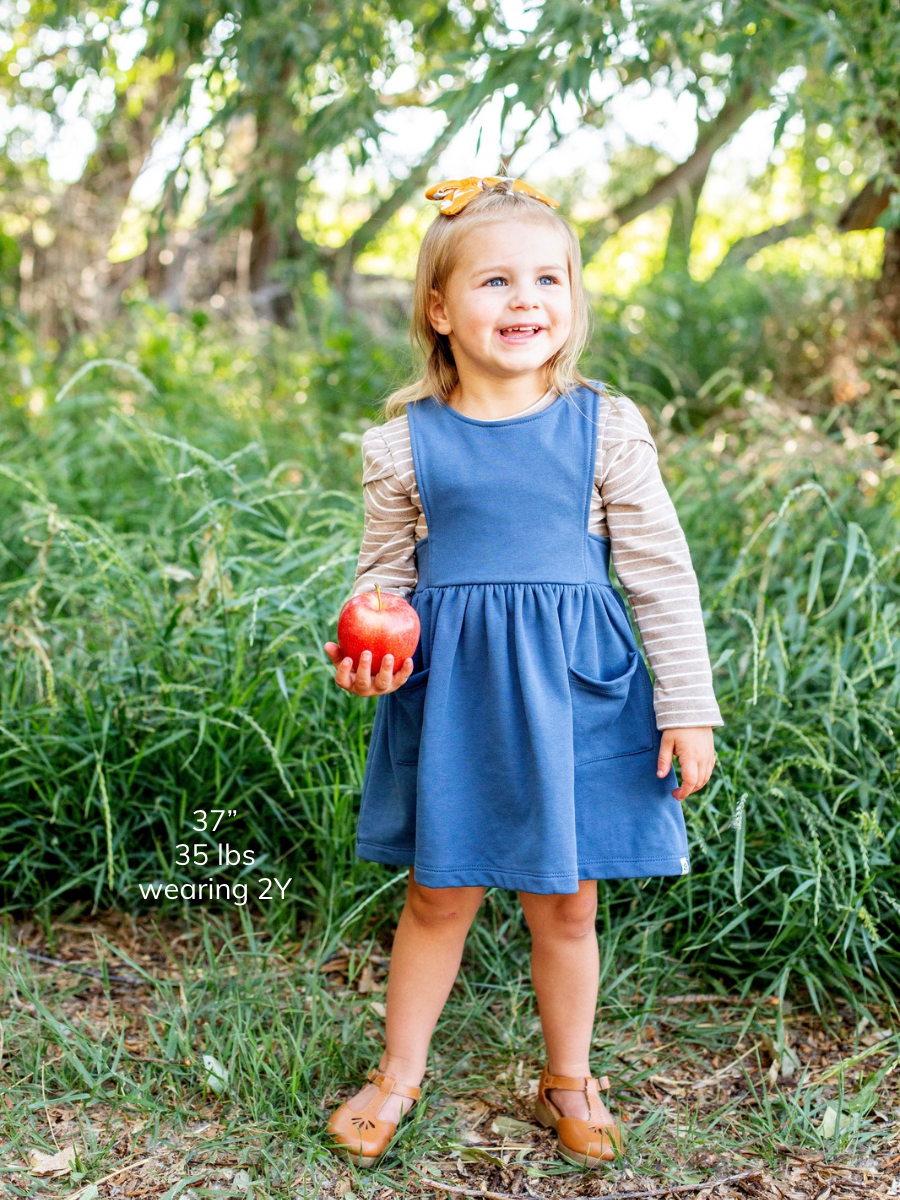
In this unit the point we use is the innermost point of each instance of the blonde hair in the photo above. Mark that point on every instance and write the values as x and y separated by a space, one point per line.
438 255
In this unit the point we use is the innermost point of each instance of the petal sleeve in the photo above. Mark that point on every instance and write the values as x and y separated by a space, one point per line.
652 560
387 553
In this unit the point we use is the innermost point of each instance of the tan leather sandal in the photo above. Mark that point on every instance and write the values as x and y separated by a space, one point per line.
584 1141
361 1135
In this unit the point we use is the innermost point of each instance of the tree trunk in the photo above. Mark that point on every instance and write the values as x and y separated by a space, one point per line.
861 213
887 289
684 216
263 252
79 289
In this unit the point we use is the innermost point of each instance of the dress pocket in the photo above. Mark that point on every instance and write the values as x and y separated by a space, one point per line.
407 708
612 717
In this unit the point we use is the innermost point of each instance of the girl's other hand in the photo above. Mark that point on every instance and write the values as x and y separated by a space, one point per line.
696 754
361 681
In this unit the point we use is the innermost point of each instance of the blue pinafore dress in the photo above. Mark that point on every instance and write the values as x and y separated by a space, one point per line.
522 750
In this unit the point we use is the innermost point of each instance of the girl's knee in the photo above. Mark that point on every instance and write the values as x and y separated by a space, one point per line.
568 916
443 905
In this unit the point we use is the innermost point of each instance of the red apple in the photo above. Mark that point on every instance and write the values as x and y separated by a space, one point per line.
384 624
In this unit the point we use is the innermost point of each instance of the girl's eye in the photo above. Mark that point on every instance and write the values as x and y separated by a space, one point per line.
488 282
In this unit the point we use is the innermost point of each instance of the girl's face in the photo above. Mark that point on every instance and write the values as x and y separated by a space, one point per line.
509 274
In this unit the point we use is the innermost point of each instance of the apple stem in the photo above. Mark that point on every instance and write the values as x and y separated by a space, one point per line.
378 594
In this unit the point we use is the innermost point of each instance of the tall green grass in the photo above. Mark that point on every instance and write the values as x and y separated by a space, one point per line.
172 566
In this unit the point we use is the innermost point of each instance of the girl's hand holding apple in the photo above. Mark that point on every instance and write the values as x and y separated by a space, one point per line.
361 682
372 626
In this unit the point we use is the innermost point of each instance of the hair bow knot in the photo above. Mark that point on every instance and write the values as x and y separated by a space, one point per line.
455 194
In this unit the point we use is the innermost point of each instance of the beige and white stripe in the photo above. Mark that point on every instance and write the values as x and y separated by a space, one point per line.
629 505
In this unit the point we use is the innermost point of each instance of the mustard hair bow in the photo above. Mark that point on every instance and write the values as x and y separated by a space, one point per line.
455 194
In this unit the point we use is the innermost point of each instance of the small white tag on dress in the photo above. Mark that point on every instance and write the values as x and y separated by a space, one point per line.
684 866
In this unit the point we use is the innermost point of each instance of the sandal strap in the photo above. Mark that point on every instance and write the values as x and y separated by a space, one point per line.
599 1116
570 1083
388 1083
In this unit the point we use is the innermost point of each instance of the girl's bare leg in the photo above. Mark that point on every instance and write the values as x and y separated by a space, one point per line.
565 970
428 947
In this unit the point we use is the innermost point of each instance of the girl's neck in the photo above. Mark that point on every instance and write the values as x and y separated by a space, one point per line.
489 404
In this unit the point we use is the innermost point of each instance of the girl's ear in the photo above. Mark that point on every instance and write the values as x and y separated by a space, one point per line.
437 313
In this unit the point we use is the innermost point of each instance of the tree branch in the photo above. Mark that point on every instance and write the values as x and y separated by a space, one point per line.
746 247
693 169
346 255
861 212
865 208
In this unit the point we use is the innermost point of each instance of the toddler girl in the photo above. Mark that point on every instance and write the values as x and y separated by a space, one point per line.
523 745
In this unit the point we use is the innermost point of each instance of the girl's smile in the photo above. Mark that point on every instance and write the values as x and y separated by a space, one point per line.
506 309
520 333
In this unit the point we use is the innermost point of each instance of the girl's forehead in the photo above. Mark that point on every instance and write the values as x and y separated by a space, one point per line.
509 242
519 235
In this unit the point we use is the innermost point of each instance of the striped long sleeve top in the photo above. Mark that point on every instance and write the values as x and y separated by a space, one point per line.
629 505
